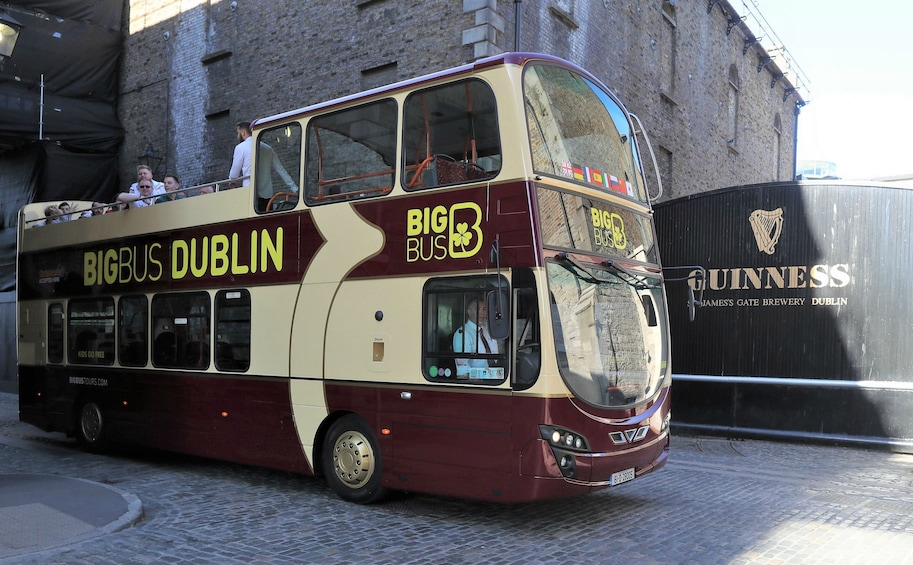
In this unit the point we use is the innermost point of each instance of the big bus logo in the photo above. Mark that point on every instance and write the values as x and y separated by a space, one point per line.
608 229
440 232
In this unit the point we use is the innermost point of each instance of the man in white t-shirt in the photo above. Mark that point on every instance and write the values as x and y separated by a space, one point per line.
240 160
143 172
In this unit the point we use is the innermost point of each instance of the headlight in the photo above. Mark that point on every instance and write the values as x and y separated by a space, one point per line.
564 438
666 421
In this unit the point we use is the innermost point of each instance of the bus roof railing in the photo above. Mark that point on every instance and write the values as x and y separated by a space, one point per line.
32 214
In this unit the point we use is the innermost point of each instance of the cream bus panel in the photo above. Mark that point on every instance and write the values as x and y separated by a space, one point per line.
309 410
271 318
359 346
31 328
347 236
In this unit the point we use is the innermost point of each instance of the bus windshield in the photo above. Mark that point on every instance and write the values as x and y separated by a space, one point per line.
578 131
609 334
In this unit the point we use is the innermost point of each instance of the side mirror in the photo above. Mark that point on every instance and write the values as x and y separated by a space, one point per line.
692 303
498 303
698 275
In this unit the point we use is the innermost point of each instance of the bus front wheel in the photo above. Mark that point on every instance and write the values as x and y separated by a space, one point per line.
90 429
351 461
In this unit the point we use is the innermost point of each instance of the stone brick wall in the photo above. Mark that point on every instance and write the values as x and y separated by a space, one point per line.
192 69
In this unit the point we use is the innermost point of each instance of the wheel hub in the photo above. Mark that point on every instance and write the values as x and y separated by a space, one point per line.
91 423
353 459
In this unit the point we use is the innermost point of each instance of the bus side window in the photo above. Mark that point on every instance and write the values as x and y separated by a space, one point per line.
232 330
132 342
450 135
527 338
180 325
55 333
90 329
456 344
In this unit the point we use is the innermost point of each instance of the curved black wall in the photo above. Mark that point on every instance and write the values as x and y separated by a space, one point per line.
807 327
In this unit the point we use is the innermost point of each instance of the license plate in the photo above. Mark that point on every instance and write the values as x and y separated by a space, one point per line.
621 477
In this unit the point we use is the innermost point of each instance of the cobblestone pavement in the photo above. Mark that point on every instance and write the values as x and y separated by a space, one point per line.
716 501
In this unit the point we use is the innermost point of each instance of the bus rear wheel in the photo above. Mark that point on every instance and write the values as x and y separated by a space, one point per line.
351 461
90 429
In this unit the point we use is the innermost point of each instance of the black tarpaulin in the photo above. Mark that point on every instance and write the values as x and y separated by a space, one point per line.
61 81
76 61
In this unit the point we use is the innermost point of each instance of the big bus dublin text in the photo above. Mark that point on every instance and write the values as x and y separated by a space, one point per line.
449 285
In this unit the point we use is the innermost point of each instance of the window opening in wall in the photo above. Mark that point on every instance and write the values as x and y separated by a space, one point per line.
777 149
733 106
378 76
668 10
669 50
665 169
564 11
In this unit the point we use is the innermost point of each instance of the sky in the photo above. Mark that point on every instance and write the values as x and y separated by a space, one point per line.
858 57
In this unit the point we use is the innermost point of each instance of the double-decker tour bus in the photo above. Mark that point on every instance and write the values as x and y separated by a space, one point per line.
448 285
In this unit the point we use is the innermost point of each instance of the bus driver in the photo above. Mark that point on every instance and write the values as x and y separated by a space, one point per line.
469 338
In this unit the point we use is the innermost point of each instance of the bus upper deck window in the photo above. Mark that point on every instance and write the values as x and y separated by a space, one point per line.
450 135
351 153
278 168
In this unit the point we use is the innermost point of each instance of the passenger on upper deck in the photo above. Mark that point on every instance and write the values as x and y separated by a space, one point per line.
144 172
172 186
64 208
143 199
51 216
97 209
240 162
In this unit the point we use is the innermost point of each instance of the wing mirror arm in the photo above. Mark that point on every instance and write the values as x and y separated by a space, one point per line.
697 280
498 300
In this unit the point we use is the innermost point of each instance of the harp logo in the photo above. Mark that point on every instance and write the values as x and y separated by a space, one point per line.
766 225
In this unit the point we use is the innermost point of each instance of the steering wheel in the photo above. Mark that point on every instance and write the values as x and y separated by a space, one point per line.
526 346
279 198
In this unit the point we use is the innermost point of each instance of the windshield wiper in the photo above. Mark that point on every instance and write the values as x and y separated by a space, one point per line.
621 273
577 268
640 282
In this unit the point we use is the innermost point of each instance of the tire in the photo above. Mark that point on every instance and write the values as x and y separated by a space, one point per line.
91 431
351 461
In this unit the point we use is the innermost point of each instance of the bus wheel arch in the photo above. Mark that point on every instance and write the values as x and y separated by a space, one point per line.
91 426
351 461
